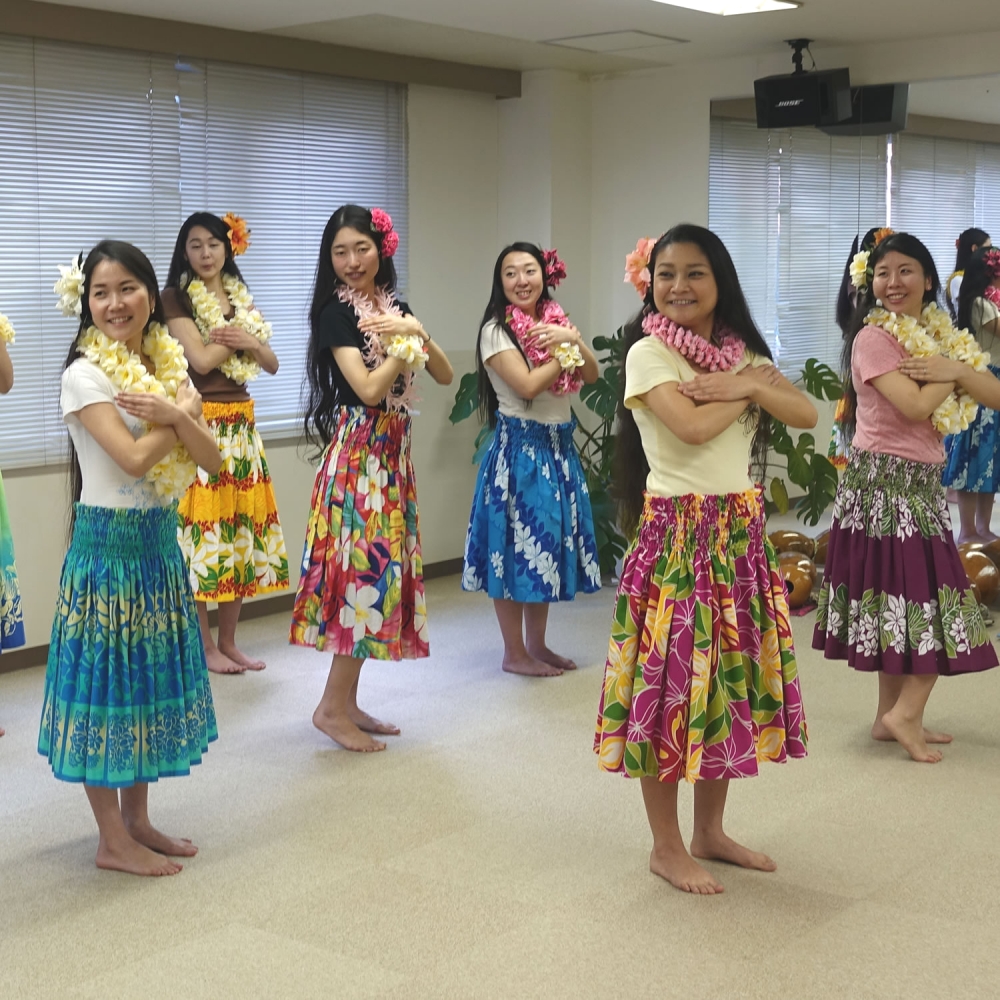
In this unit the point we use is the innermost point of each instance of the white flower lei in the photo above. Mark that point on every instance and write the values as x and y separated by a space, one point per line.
208 316
934 333
172 475
6 330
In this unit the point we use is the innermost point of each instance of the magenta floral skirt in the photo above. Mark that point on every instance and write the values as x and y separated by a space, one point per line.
701 680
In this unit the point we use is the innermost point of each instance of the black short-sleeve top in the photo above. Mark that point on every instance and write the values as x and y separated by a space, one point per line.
338 327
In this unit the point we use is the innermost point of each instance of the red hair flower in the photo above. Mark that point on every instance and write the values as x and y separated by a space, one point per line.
555 269
239 233
992 261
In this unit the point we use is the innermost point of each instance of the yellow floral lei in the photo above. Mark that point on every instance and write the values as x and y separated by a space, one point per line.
6 330
934 333
172 475
208 316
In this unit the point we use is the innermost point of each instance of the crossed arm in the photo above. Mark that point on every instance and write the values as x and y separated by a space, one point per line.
699 410
223 341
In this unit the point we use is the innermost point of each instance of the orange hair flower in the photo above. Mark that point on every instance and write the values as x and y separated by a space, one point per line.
239 233
881 234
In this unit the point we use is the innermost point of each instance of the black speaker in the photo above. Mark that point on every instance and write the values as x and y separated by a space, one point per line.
877 110
816 98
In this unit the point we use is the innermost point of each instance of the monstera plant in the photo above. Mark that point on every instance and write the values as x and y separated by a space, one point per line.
798 459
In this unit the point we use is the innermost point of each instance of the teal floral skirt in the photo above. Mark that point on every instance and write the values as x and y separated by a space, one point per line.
127 697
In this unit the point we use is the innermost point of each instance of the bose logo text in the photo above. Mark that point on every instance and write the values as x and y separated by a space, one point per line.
791 104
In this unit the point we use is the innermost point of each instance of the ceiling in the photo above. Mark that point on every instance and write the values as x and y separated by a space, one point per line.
514 34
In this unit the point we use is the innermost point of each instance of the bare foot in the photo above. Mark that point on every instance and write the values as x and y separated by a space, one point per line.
369 724
219 663
973 538
683 872
341 729
552 659
529 666
880 733
135 859
910 735
719 847
241 659
149 836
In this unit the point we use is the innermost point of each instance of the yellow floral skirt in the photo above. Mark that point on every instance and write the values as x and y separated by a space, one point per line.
229 530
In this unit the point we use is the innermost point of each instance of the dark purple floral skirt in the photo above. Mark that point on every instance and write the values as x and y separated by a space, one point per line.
895 596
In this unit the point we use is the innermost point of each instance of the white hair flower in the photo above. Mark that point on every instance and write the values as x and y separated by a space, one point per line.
859 269
69 287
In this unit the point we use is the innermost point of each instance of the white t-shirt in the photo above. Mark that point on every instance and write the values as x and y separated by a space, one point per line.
105 482
545 408
984 312
954 286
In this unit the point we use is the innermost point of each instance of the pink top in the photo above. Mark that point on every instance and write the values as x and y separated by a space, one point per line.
881 427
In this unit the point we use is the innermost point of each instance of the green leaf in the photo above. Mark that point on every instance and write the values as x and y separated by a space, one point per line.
820 490
779 494
601 397
483 441
821 380
466 398
781 440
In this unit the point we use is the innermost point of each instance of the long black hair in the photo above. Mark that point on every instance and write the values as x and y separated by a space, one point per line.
970 241
977 279
180 268
319 390
496 312
137 264
731 312
908 246
847 297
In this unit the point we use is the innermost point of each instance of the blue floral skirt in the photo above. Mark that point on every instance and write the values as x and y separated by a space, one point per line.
11 622
531 532
973 463
127 697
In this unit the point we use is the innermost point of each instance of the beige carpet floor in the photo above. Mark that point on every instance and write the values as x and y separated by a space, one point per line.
484 855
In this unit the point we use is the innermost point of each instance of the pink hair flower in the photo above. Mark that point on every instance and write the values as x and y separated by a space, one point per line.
555 269
381 221
390 244
637 265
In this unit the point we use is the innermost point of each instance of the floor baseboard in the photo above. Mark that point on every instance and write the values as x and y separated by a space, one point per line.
36 656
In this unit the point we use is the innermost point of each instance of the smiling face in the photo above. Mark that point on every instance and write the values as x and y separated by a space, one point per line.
355 259
523 281
899 283
205 253
684 288
119 303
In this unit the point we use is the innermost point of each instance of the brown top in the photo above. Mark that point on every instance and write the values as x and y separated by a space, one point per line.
213 386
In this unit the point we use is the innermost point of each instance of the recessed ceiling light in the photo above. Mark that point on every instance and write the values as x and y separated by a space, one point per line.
726 7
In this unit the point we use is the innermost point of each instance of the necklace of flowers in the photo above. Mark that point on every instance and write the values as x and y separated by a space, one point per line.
992 294
934 333
702 352
568 355
172 475
407 347
208 316
6 330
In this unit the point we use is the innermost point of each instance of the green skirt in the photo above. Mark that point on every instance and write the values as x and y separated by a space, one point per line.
127 697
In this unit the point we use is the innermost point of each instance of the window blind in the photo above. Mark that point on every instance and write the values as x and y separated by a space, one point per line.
101 143
788 204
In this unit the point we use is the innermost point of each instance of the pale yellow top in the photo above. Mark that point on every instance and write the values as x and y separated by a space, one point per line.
721 465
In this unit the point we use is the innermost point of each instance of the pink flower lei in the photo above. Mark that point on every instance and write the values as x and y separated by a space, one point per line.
992 294
402 394
521 323
702 352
